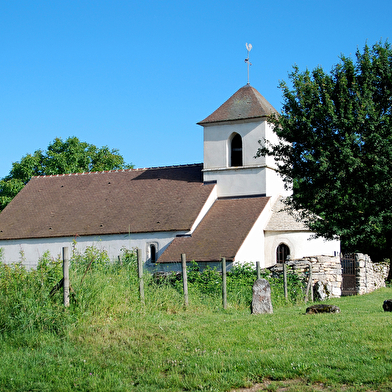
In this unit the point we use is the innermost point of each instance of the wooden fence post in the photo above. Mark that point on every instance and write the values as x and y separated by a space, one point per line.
140 274
309 285
184 279
224 288
311 282
66 276
258 269
285 280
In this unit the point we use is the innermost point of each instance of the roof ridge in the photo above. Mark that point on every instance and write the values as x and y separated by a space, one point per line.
118 170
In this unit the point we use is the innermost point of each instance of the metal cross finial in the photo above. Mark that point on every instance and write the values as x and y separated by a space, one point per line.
248 48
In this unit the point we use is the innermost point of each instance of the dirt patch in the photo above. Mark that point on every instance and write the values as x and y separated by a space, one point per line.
298 386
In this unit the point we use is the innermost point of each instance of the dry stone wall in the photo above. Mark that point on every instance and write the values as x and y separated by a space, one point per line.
369 276
326 271
327 275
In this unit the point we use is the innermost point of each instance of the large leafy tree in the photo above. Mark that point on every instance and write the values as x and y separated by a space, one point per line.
335 148
61 157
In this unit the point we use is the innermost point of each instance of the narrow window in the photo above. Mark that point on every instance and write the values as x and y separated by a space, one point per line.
153 253
236 151
282 251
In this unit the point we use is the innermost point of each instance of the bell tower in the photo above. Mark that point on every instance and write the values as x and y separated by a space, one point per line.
231 140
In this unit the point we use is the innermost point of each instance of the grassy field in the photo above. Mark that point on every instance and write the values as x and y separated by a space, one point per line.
108 341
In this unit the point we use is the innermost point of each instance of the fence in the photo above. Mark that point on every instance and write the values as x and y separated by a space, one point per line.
325 276
65 282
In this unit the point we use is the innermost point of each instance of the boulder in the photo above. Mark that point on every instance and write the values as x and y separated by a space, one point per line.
387 305
322 308
261 302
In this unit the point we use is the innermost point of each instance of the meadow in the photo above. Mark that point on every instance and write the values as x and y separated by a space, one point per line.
107 340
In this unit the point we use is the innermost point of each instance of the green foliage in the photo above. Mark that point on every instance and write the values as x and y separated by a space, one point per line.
335 147
206 285
107 340
25 301
102 287
69 156
119 345
92 258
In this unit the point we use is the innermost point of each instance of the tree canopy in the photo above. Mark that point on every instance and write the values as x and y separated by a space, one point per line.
335 147
61 157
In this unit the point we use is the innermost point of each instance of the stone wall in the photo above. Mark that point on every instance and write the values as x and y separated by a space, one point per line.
369 276
327 274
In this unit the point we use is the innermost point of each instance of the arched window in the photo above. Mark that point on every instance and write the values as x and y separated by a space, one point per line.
236 151
282 251
153 253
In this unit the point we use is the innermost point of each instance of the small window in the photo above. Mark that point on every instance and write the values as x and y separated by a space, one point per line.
282 251
153 253
236 151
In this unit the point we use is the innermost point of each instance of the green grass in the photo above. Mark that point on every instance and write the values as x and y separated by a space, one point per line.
108 341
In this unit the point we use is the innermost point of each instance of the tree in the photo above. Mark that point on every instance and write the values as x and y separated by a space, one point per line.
335 148
61 157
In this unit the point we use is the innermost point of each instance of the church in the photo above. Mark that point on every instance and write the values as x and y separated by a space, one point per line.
228 206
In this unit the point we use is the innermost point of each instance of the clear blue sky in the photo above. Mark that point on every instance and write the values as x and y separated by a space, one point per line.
138 75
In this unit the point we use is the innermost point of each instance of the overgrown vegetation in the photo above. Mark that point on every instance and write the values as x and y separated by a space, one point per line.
108 341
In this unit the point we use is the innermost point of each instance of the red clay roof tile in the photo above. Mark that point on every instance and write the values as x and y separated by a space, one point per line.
128 201
246 103
221 232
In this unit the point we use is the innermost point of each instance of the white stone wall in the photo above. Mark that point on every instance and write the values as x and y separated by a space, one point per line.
325 269
369 276
30 250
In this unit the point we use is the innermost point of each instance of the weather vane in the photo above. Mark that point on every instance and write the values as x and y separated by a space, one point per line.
248 48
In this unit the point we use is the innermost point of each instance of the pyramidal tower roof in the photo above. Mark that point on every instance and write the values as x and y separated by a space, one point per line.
246 103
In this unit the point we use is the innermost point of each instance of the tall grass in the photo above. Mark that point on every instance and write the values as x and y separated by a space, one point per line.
108 341
102 288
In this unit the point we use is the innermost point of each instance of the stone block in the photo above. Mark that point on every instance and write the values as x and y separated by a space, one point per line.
261 302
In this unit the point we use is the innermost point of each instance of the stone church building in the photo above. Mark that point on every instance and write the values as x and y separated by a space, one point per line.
228 206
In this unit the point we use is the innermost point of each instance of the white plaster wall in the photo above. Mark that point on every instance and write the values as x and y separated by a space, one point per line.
238 181
252 249
33 249
300 243
216 143
256 176
274 184
246 181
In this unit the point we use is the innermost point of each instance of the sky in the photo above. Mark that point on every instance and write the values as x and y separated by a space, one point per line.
138 75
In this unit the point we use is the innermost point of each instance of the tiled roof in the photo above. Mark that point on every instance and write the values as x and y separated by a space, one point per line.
282 220
128 201
246 103
221 232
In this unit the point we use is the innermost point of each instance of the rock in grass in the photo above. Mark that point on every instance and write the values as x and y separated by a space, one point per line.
261 302
322 309
387 305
